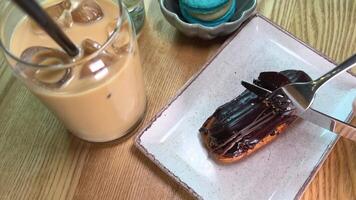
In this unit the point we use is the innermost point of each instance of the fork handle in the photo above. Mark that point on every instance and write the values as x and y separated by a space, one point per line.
347 64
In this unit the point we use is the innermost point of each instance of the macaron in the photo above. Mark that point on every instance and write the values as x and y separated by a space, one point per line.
207 12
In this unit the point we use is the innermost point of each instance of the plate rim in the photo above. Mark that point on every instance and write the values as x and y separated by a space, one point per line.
137 141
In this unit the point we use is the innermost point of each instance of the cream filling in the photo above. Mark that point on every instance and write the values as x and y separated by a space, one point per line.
213 16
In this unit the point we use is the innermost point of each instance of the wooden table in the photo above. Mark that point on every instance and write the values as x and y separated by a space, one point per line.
40 160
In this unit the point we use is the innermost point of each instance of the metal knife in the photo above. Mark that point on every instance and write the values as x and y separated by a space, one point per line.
318 118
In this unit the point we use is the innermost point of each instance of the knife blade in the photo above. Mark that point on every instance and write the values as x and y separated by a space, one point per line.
259 91
330 123
316 117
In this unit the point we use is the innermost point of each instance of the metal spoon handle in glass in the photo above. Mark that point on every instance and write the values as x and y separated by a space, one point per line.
35 11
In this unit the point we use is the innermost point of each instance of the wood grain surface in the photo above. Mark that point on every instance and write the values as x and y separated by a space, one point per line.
39 159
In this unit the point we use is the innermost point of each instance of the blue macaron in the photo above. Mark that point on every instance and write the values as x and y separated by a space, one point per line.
207 12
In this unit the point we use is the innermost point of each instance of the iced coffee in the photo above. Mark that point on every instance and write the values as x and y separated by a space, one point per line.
98 95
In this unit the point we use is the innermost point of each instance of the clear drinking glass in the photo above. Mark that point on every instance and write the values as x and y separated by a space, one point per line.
100 96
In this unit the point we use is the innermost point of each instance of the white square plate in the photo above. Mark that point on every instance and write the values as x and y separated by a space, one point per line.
280 170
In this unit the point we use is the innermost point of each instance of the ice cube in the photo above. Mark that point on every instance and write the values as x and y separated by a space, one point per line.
59 13
90 46
97 66
65 20
87 11
47 56
56 10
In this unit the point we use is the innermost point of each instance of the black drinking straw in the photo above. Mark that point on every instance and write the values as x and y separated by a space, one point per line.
35 11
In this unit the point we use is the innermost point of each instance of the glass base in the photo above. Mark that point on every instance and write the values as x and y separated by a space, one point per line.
123 136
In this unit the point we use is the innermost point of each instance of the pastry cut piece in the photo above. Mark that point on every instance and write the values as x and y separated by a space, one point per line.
249 122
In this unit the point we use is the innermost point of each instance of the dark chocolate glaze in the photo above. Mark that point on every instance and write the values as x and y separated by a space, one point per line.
240 124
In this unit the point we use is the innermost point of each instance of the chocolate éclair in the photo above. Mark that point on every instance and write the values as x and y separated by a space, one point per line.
249 122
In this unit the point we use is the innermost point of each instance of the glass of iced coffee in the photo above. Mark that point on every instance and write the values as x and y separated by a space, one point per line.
98 95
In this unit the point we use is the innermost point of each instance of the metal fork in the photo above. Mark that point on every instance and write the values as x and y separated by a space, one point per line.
302 94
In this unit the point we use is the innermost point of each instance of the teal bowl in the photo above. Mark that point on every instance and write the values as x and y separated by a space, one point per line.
170 10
